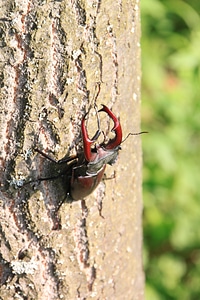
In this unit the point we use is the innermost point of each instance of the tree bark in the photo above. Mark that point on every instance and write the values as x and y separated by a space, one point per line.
52 55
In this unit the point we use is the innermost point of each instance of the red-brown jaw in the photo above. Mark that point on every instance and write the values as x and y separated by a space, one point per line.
87 142
111 145
116 141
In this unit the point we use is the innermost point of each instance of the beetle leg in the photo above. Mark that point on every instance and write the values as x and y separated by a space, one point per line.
116 141
87 142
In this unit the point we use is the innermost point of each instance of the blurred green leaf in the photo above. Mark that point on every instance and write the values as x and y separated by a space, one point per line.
171 114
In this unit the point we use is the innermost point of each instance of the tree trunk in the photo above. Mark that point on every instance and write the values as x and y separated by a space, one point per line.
52 55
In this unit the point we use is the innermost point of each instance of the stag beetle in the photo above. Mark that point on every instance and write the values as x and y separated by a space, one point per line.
87 168
86 177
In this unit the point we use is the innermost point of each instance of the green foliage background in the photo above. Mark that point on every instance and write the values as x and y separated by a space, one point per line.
171 114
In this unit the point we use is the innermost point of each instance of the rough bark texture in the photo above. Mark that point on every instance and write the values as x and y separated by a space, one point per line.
52 54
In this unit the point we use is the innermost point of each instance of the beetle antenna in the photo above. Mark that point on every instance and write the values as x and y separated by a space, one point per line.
98 86
94 99
97 134
130 133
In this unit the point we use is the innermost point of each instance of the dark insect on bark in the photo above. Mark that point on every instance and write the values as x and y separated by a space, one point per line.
87 168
